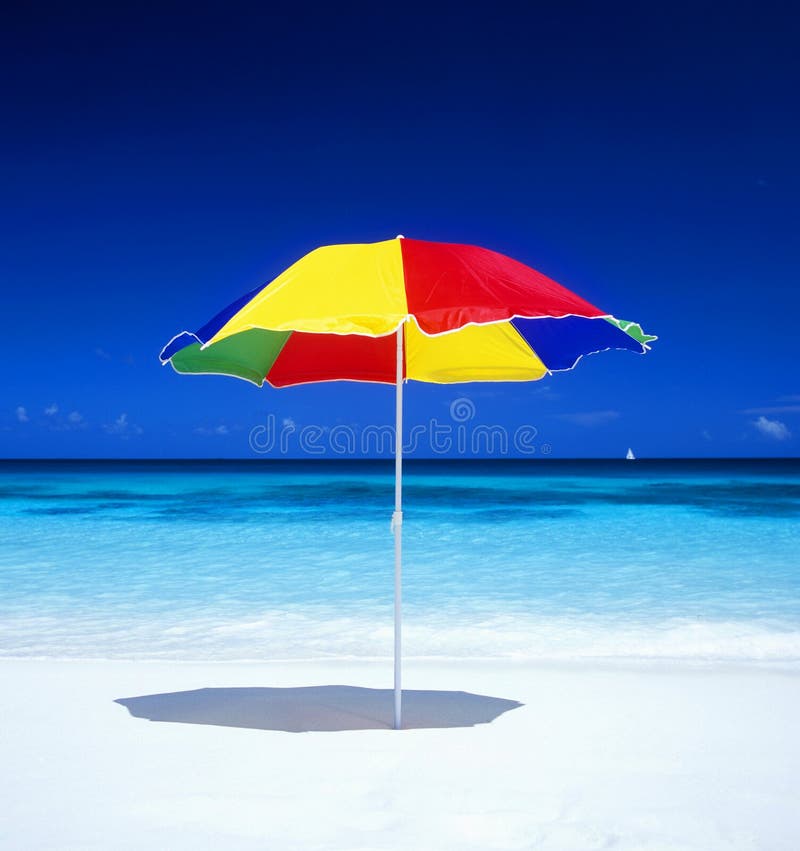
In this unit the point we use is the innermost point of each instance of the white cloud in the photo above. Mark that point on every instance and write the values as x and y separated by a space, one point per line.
213 431
788 404
122 427
707 434
102 354
75 418
589 419
22 414
772 428
51 410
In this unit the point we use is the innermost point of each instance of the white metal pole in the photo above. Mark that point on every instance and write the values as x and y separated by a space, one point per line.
397 527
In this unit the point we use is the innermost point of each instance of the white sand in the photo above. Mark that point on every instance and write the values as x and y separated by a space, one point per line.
598 757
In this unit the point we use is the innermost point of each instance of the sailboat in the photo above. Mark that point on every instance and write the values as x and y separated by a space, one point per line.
630 456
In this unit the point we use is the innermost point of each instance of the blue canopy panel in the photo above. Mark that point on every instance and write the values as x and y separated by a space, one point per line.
560 343
185 338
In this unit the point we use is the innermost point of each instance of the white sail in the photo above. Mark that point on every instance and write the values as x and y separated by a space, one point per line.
630 456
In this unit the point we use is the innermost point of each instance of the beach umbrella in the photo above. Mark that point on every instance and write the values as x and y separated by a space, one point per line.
399 310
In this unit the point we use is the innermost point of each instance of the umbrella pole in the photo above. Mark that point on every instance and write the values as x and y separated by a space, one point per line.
397 527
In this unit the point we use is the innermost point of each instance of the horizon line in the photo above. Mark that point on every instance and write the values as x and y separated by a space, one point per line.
406 458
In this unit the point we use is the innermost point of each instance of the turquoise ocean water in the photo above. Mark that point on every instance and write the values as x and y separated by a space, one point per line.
695 560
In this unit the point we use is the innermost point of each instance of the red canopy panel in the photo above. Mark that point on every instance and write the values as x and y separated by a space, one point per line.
334 357
449 286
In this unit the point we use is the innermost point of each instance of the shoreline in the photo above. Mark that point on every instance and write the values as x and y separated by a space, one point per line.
578 664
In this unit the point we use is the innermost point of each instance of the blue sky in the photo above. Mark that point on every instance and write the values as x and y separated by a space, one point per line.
156 165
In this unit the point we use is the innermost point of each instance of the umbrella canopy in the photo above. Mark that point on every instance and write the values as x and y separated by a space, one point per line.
396 310
477 316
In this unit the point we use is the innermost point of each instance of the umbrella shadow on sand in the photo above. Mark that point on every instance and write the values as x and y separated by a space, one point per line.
307 709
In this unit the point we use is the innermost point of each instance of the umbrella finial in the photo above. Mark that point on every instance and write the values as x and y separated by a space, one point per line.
399 236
